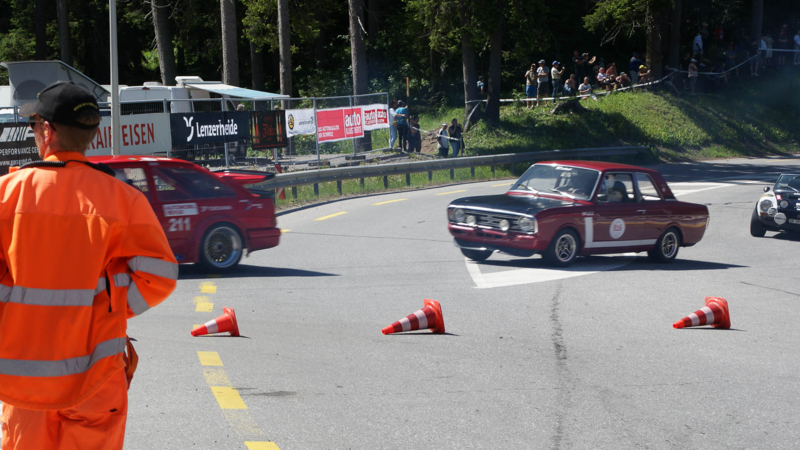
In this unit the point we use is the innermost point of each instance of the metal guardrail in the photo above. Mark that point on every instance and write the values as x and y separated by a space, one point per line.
349 173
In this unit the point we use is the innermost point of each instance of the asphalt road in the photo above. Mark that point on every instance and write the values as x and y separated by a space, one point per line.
533 357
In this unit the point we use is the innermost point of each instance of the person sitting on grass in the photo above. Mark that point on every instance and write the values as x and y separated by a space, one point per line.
602 79
585 89
644 75
571 86
623 80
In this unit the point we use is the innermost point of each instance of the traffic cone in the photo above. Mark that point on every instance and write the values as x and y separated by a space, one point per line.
223 323
430 316
715 313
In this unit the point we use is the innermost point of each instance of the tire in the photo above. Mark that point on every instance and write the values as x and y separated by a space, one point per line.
221 248
563 249
477 255
757 228
667 246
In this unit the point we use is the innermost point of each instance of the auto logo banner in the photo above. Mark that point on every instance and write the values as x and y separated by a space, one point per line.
338 124
17 146
209 128
300 121
376 116
267 129
139 134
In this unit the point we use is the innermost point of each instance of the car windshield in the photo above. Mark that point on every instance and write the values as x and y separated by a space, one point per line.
788 183
573 182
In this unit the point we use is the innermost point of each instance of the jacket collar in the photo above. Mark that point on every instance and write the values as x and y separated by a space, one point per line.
66 156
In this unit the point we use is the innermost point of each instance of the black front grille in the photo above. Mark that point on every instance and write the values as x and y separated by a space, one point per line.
492 220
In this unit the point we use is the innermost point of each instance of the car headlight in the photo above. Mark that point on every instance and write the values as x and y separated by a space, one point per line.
450 213
504 225
526 224
784 204
772 212
471 221
765 205
458 215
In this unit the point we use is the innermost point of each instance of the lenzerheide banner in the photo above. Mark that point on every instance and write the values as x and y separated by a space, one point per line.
209 128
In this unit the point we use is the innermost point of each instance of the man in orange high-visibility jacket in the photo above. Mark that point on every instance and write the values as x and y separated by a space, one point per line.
80 253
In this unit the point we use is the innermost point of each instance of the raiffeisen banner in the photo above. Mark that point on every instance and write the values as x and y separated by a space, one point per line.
209 128
339 124
375 116
139 134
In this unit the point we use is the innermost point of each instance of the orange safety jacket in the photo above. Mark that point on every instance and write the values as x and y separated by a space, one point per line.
81 253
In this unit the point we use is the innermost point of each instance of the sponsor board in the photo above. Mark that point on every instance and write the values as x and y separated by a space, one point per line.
267 129
139 134
300 121
338 124
180 209
17 146
209 128
375 116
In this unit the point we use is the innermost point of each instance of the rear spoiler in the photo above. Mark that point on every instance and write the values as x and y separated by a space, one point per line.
252 180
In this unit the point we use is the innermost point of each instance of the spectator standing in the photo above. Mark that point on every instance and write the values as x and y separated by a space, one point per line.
481 85
797 48
542 81
571 86
685 68
588 65
697 46
443 141
767 38
555 74
392 124
693 75
414 138
577 61
782 44
530 86
455 132
633 68
402 125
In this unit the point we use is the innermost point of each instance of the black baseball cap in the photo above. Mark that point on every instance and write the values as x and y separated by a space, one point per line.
61 102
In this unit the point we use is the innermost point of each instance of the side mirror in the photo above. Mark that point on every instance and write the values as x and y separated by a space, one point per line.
766 189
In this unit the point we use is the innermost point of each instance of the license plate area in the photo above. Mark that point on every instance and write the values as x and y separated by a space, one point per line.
794 221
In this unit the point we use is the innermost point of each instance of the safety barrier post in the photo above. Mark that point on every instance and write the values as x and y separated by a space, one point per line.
430 175
408 179
472 171
339 186
294 192
316 189
361 182
385 182
452 174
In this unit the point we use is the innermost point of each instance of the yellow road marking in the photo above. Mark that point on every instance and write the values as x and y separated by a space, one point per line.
216 377
204 307
209 359
228 397
261 445
285 231
452 192
208 287
504 184
201 299
390 201
332 215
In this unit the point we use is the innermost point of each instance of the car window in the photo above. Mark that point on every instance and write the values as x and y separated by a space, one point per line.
571 181
190 183
167 189
616 188
647 188
134 176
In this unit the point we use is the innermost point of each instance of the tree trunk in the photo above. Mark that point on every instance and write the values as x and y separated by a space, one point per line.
63 32
285 49
472 111
654 58
230 54
358 53
675 35
40 29
166 54
757 17
492 113
256 67
373 28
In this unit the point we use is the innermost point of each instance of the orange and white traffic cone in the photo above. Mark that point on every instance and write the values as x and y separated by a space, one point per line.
430 316
224 323
715 313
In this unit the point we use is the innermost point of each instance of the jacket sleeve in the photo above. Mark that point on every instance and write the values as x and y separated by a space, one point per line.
151 265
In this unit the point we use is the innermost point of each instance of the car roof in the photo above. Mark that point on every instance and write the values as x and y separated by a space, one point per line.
599 165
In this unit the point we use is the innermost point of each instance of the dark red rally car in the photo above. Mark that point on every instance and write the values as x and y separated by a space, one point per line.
566 209
210 218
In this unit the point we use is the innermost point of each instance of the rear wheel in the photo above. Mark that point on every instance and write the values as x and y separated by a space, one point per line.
666 248
221 248
476 255
757 228
563 248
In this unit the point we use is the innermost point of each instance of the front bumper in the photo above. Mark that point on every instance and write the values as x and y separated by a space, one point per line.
769 222
513 243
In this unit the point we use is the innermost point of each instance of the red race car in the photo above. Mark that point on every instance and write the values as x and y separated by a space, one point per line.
208 217
566 209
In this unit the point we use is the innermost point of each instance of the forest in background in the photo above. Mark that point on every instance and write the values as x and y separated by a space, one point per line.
323 47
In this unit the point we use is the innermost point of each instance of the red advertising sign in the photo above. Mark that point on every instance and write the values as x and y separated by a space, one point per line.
375 117
338 124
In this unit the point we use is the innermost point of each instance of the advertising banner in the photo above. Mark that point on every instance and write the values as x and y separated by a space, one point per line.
375 116
300 121
338 124
209 128
17 146
267 129
140 134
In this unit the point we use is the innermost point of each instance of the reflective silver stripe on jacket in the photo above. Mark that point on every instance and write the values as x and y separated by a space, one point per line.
136 302
46 297
154 266
61 367
122 279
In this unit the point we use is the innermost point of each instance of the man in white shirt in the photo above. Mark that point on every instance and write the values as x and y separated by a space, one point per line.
555 74
585 89
542 81
697 46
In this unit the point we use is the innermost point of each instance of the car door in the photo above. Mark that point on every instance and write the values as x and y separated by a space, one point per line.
651 204
616 222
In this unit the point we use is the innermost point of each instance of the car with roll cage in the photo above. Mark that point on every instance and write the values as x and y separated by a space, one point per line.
210 218
566 209
778 209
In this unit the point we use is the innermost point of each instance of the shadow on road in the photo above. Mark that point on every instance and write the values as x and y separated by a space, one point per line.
193 272
785 236
596 263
